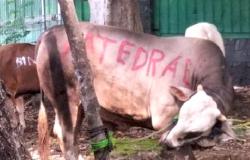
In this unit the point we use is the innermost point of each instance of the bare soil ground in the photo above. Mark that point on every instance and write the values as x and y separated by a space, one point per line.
232 150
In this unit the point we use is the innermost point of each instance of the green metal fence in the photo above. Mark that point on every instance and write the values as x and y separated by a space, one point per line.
82 9
172 17
25 20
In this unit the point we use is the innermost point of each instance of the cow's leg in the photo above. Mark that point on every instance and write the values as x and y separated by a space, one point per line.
19 102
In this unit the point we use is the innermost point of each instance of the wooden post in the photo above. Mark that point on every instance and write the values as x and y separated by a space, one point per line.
83 72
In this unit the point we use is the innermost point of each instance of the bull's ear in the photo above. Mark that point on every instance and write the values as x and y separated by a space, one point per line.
222 118
199 87
181 93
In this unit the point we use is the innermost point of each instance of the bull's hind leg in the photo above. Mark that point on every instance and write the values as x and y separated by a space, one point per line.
76 118
65 126
19 102
65 136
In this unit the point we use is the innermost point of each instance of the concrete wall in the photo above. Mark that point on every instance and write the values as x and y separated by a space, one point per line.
238 59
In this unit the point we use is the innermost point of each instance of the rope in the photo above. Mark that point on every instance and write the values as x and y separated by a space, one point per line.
170 126
102 144
105 143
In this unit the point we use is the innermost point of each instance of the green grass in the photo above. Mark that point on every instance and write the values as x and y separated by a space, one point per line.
129 146
241 127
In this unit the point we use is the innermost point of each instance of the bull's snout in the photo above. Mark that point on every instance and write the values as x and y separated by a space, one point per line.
170 145
170 140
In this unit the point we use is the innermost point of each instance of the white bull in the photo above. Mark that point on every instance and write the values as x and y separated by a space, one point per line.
139 77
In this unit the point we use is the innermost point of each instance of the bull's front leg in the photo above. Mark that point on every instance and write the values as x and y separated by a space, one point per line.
162 113
162 109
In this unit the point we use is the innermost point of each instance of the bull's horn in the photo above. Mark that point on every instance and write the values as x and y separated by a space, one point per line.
222 118
199 87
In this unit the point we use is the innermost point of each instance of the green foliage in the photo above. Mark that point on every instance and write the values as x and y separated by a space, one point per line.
14 29
241 127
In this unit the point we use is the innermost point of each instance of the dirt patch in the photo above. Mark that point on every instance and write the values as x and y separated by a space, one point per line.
233 150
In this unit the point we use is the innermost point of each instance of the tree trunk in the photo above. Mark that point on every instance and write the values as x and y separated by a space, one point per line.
100 11
11 145
121 13
83 72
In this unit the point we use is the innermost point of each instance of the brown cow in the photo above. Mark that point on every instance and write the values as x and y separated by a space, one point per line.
18 73
138 77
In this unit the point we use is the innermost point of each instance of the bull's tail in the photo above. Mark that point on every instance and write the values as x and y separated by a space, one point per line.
207 31
43 134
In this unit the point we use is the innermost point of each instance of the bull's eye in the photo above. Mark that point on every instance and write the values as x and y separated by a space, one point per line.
191 135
